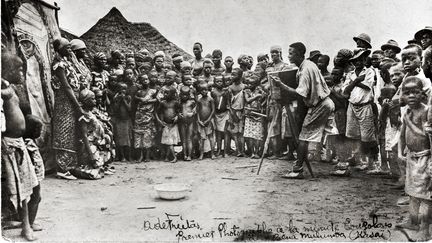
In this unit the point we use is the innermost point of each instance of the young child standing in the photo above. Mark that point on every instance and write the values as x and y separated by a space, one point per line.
122 122
207 72
236 109
358 86
144 126
187 120
220 97
415 141
254 123
205 112
167 116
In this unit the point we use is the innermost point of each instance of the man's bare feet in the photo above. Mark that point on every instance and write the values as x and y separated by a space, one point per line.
240 155
254 156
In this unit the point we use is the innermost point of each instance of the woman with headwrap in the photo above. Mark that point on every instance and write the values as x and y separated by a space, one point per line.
66 87
77 57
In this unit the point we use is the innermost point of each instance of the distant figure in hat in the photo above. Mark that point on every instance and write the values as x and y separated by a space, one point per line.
361 115
314 55
363 41
424 37
391 48
218 68
80 54
322 63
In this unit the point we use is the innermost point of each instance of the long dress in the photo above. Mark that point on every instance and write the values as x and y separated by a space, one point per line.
144 128
65 118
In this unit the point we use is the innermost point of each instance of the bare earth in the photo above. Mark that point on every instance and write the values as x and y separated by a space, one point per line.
245 206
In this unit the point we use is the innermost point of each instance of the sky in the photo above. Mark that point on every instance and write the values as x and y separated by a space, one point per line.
253 26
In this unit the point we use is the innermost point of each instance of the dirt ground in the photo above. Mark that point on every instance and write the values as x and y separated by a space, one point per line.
228 202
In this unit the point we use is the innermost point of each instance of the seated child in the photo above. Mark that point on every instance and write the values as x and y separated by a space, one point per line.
205 111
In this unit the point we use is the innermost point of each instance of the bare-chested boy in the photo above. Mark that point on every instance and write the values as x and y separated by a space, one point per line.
415 141
218 68
167 116
205 111
237 103
207 72
187 120
220 96
16 187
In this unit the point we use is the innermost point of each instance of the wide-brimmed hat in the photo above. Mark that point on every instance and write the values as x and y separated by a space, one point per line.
391 44
314 53
360 52
364 37
418 35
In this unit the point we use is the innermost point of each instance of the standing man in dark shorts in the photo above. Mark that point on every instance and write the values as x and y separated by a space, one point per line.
315 93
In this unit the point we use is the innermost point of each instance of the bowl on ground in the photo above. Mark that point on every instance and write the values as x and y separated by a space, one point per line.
172 191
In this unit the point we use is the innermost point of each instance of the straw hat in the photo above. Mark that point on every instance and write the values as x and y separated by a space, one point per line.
391 44
364 37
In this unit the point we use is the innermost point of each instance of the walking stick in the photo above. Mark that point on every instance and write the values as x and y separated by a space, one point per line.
267 141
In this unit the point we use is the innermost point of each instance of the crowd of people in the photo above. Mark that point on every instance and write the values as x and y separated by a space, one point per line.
139 106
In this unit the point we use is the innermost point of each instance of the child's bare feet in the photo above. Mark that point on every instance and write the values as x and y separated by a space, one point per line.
225 155
166 159
123 160
201 156
255 156
28 234
188 158
240 155
174 160
213 156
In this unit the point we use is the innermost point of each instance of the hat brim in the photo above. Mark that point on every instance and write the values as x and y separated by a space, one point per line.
419 33
367 42
361 53
389 46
